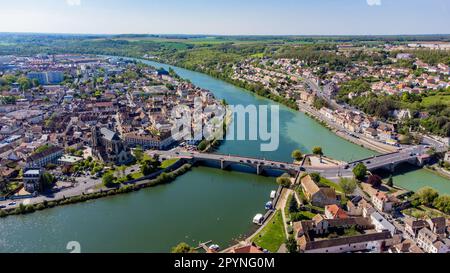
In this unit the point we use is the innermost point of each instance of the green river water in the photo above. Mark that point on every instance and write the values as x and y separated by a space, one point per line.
205 204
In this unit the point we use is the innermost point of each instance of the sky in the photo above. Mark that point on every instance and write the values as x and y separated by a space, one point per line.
227 17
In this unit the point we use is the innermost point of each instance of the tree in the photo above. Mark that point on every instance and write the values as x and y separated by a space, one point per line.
293 205
442 203
139 153
146 168
284 181
24 83
318 151
203 145
35 82
183 248
291 245
48 180
121 171
360 171
375 181
108 180
348 185
390 181
2 184
427 196
316 177
149 166
297 155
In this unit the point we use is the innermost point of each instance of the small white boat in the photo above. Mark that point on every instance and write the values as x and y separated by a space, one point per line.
215 247
258 219
273 194
269 205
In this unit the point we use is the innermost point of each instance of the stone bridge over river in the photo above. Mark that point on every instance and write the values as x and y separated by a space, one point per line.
414 155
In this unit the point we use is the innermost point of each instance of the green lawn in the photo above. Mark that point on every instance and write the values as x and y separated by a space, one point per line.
137 175
273 235
349 232
435 99
423 211
331 184
322 210
169 162
302 216
257 55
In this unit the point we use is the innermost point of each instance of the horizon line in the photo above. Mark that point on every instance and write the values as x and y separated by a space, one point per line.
224 35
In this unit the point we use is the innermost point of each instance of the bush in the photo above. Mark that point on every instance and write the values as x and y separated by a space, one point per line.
183 248
348 185
316 177
293 204
291 245
375 181
442 203
297 155
290 230
318 151
427 196
29 209
284 181
108 180
360 171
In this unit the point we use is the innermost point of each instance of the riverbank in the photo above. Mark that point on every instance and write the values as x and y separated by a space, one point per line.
223 202
367 144
163 178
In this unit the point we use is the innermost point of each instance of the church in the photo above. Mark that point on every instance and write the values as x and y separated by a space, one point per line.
108 147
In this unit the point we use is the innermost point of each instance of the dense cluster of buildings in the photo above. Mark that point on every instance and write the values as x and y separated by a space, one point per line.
73 102
299 81
365 225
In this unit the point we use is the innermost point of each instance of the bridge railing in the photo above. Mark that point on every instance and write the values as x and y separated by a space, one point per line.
373 157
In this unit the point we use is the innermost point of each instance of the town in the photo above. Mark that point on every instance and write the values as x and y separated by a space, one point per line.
82 125
69 120
326 93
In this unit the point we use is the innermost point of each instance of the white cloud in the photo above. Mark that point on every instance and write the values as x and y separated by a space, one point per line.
374 2
73 2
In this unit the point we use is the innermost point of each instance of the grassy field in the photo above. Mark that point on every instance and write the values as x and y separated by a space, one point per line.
435 99
137 175
423 211
273 234
169 162
331 184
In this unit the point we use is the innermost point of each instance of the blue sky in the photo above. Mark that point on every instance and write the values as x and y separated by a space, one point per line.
227 17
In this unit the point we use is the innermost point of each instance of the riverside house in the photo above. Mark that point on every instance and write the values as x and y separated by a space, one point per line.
320 197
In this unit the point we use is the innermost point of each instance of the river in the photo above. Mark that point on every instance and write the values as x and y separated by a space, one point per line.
205 204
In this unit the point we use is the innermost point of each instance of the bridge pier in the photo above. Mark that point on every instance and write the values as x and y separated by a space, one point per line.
224 165
259 169
392 167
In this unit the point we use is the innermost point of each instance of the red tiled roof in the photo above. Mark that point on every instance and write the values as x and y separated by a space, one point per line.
336 211
248 249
